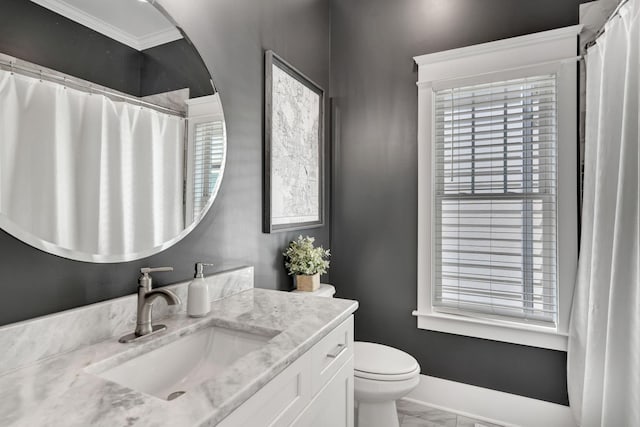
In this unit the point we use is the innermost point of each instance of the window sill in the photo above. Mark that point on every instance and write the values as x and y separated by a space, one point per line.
529 335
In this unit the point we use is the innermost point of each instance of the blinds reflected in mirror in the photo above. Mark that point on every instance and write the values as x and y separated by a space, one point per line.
206 148
495 199
207 161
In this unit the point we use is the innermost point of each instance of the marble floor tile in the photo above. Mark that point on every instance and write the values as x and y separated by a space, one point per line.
439 417
412 414
409 421
470 422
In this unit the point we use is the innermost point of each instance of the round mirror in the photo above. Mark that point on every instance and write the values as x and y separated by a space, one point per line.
112 135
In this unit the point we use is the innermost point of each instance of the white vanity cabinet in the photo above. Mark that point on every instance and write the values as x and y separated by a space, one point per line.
333 406
316 390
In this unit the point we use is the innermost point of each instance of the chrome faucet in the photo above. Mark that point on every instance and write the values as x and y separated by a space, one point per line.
146 298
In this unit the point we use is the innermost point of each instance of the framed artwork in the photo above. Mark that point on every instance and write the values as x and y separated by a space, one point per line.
294 149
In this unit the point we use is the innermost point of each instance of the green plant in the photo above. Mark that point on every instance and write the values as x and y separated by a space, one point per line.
301 257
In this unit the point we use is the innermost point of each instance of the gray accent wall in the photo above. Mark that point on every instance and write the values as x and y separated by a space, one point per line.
173 66
36 34
231 36
33 33
375 172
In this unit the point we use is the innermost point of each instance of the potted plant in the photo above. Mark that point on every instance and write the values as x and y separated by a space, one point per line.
306 263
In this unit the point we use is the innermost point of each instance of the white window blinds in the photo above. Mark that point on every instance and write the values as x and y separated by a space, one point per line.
208 143
495 199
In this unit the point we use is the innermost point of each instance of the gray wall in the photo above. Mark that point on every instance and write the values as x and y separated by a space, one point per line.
374 216
171 66
34 33
231 36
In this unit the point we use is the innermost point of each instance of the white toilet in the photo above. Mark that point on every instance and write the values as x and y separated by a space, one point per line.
382 375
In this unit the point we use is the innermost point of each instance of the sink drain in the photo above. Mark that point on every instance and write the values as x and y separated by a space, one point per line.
175 395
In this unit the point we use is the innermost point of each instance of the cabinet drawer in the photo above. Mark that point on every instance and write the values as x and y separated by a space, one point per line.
331 353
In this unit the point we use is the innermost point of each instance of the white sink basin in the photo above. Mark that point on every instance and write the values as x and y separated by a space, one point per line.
171 370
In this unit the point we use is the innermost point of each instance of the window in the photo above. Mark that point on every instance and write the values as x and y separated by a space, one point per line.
495 199
205 153
208 154
498 189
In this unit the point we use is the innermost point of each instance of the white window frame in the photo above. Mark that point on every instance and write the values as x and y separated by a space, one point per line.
546 52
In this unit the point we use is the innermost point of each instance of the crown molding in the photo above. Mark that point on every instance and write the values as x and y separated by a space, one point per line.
62 8
158 38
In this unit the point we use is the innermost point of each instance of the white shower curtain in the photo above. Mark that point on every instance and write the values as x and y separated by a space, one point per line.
87 173
604 344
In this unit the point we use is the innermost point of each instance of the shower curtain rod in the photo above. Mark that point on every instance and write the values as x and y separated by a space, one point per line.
32 70
600 32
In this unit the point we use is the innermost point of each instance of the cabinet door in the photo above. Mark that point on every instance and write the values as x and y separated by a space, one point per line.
278 402
333 405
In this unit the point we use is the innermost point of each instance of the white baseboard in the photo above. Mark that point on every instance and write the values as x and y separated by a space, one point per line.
490 405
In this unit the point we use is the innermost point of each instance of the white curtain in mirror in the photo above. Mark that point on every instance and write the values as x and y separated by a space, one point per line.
604 346
85 172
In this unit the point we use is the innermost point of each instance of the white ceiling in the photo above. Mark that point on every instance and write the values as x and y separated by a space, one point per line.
135 23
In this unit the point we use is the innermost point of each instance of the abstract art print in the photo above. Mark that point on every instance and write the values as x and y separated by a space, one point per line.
294 134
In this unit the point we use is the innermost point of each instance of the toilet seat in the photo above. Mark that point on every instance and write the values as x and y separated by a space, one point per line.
383 363
385 377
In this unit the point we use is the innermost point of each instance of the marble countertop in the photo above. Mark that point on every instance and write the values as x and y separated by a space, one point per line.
62 391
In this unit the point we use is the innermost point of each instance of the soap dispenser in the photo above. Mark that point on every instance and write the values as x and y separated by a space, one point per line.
198 301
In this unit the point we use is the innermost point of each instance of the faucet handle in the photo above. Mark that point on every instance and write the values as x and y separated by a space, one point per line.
145 279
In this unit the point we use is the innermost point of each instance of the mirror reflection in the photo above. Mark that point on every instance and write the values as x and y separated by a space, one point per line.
112 136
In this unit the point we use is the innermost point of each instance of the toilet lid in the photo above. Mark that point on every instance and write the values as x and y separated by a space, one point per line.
381 360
